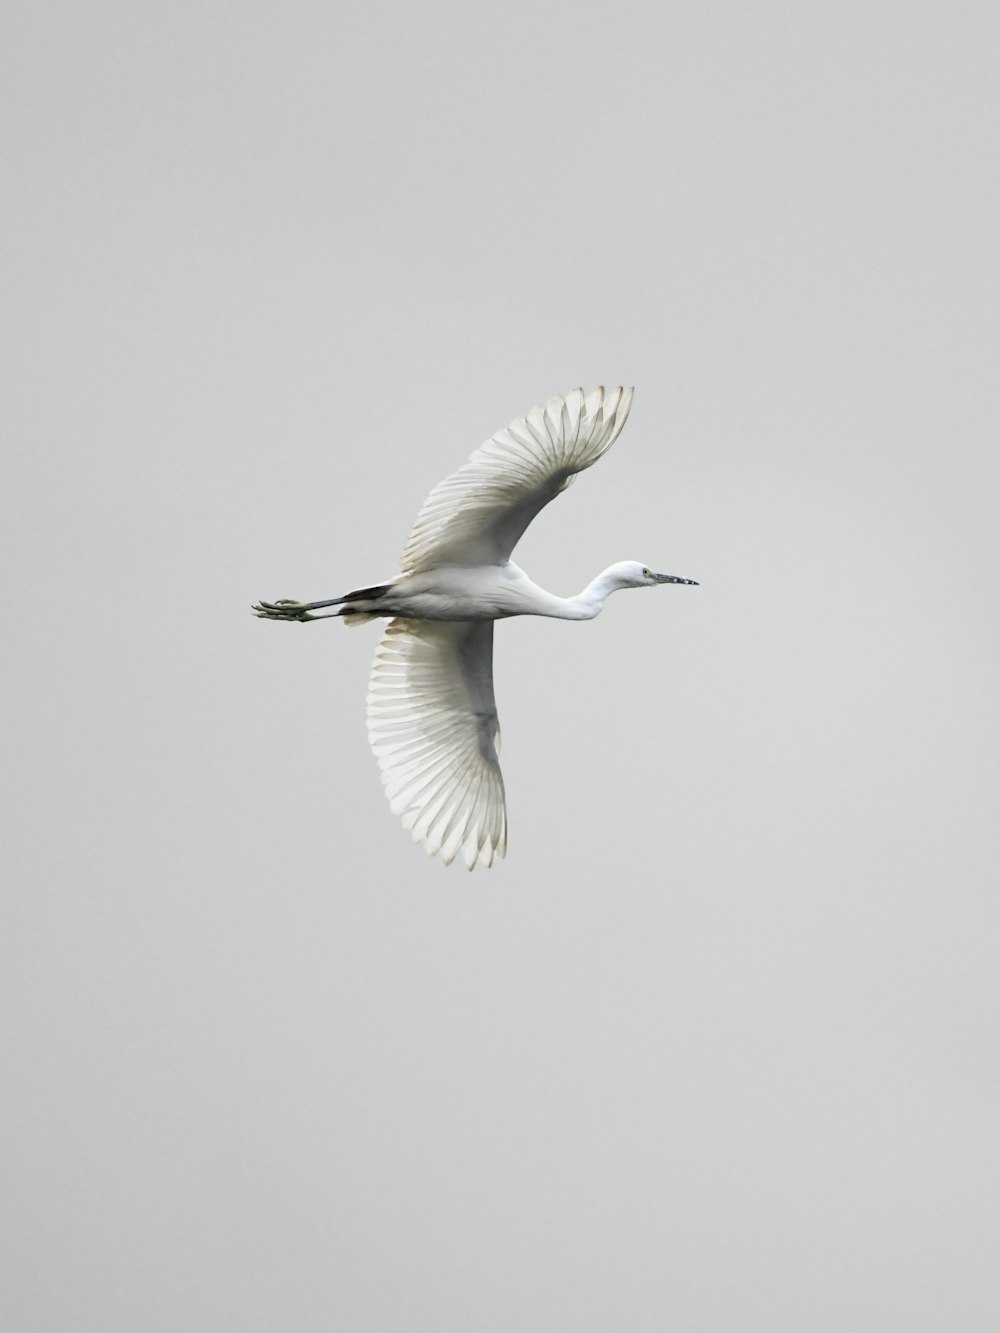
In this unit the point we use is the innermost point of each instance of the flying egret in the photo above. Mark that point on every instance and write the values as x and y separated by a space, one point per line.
432 717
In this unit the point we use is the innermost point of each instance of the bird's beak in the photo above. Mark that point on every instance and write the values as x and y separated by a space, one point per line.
672 578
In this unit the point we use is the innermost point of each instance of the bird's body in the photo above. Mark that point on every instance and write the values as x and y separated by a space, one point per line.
432 717
483 592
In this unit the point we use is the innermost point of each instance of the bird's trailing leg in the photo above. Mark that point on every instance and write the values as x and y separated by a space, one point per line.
286 609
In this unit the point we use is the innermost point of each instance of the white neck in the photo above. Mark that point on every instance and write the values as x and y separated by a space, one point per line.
585 605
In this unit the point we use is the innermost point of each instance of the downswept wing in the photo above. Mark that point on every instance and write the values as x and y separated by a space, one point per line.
478 514
432 723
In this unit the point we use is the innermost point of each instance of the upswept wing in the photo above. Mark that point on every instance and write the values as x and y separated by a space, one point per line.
478 514
432 723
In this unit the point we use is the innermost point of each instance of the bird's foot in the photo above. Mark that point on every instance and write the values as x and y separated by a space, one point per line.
285 609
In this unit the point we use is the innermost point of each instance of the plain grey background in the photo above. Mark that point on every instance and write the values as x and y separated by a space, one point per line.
716 1047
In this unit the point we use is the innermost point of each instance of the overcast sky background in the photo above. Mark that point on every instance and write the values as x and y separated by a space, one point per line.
716 1047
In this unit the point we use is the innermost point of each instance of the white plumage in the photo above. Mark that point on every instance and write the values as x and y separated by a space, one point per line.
432 718
432 723
478 514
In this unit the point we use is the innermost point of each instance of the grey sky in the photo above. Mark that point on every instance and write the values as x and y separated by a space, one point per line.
716 1047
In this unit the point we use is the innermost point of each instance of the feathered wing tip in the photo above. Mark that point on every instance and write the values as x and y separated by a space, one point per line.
433 728
507 480
572 432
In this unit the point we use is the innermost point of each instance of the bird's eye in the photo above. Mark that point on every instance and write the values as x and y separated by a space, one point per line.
647 573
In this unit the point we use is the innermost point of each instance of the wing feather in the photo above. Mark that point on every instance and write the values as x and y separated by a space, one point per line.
432 723
477 515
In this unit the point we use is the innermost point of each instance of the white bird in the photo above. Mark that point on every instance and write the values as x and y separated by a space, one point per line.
432 717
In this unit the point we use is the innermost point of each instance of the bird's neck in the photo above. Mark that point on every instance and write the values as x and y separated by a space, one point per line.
587 604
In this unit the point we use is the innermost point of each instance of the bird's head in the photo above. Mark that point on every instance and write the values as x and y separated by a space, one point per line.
632 574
